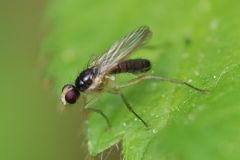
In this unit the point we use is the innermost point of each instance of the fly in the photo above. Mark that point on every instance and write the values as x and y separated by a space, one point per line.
98 74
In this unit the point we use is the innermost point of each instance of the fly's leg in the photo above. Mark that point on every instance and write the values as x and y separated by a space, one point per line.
89 109
131 110
90 102
187 41
101 113
116 91
149 77
157 46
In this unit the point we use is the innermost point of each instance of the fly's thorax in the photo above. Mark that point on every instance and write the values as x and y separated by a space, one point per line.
86 79
98 84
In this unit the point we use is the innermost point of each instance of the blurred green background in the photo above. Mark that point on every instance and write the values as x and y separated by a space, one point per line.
31 128
45 44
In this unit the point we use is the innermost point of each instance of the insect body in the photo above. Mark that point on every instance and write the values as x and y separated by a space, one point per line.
96 77
132 66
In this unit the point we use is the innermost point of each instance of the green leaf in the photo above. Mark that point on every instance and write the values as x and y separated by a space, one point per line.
203 48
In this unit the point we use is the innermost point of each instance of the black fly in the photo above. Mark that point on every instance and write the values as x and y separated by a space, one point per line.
102 70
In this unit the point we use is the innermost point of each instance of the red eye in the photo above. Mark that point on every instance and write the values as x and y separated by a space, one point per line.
70 94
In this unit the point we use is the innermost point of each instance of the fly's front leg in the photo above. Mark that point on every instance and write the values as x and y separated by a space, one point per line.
150 77
89 109
116 91
88 103
101 113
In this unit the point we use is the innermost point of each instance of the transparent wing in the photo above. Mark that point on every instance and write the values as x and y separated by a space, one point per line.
121 49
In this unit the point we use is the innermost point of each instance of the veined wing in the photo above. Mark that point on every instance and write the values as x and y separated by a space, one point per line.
121 49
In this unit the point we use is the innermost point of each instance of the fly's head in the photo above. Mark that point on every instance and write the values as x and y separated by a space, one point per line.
70 94
85 79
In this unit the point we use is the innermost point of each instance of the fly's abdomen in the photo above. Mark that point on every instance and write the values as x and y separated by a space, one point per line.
132 66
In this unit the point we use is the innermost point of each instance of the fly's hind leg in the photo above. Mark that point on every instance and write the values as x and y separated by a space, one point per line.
118 92
131 109
150 77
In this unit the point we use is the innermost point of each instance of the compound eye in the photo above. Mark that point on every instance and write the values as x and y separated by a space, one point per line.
69 94
72 96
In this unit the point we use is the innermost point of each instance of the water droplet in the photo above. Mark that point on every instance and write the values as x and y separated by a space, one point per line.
191 117
154 131
124 124
196 73
214 77
185 55
163 95
214 24
190 80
